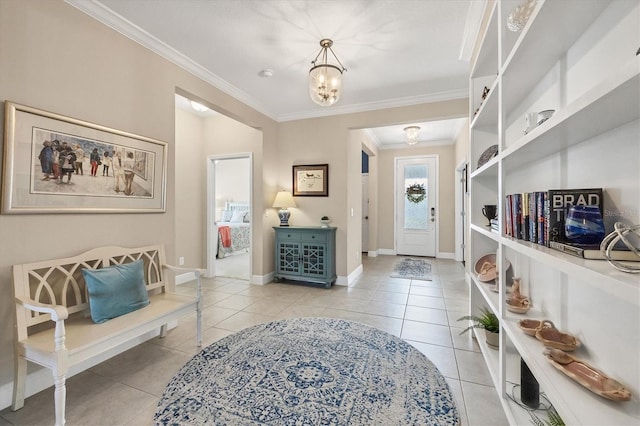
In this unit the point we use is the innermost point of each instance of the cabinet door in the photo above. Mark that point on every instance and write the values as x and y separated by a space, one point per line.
314 260
288 256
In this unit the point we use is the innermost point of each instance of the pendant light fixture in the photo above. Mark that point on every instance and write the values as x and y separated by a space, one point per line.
325 79
412 134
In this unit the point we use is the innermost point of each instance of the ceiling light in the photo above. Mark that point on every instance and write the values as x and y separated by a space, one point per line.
198 107
266 73
412 134
325 79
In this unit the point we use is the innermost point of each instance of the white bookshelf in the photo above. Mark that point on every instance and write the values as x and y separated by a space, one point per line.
578 58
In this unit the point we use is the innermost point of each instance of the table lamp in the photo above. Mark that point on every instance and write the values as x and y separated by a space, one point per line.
283 200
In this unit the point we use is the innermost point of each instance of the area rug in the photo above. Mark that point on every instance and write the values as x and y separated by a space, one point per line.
415 269
308 371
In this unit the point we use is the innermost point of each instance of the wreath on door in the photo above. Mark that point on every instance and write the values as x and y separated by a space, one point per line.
416 193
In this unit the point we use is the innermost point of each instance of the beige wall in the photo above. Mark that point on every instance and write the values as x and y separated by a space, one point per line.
56 58
446 169
189 188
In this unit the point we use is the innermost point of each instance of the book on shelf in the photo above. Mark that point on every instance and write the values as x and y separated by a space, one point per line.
592 251
560 200
525 217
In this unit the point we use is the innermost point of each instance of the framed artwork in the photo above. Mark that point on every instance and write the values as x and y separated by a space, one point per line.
311 180
58 164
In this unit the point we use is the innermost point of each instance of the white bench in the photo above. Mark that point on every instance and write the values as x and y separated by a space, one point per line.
54 291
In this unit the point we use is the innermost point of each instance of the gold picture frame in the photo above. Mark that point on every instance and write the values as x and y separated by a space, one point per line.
50 166
311 180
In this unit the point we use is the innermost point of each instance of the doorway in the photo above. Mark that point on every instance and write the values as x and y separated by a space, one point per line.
416 203
229 215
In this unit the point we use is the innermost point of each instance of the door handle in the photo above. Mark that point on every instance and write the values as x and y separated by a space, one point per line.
433 214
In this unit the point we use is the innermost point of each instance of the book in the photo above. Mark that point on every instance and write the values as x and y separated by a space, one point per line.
559 202
593 252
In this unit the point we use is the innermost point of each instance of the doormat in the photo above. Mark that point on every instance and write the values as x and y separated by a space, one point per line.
415 269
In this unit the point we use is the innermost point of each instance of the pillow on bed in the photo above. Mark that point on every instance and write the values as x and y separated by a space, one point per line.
115 290
226 215
238 216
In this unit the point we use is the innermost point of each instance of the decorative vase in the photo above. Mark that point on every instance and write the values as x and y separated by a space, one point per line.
584 225
492 339
325 222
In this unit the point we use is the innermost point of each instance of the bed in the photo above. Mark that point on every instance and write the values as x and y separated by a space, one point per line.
234 229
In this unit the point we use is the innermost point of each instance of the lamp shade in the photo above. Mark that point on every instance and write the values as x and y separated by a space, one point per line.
325 78
325 84
284 199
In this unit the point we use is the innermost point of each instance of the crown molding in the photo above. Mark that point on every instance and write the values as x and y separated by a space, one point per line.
404 145
372 106
101 13
472 29
372 136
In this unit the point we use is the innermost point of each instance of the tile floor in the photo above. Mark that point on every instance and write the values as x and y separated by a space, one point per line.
125 389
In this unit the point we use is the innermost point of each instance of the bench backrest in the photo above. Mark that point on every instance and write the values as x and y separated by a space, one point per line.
60 281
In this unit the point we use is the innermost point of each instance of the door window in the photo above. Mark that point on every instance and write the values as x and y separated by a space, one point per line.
416 199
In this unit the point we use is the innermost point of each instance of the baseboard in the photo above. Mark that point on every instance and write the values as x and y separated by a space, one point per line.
42 378
446 255
185 278
387 252
372 253
262 279
353 276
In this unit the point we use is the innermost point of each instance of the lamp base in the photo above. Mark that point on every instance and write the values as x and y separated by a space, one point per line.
284 215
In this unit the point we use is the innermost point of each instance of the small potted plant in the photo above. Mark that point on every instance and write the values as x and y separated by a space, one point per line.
488 321
325 221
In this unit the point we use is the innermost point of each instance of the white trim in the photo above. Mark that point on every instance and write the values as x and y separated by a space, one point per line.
446 255
373 253
459 219
101 13
185 278
472 29
423 144
351 278
377 105
212 237
262 279
436 157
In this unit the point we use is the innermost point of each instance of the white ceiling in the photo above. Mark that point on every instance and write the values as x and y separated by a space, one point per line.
397 52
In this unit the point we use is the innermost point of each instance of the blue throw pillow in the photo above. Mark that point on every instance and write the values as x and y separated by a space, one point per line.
115 290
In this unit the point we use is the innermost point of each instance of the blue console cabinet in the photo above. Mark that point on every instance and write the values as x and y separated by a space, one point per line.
306 254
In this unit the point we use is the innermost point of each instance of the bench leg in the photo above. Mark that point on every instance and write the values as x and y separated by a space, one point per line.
19 381
60 395
163 330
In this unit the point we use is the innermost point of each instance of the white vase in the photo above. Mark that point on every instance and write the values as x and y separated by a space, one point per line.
325 222
492 339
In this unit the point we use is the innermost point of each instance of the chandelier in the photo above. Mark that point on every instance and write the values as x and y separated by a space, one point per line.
325 79
412 134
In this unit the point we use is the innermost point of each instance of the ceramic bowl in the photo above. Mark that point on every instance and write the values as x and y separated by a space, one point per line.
545 115
518 306
529 326
488 275
551 336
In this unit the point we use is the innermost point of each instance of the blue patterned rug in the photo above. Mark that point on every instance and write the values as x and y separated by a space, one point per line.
415 269
308 371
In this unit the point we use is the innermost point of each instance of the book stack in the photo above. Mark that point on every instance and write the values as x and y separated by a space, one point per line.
494 226
538 217
527 216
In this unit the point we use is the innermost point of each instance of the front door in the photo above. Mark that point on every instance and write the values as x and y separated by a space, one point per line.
416 208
